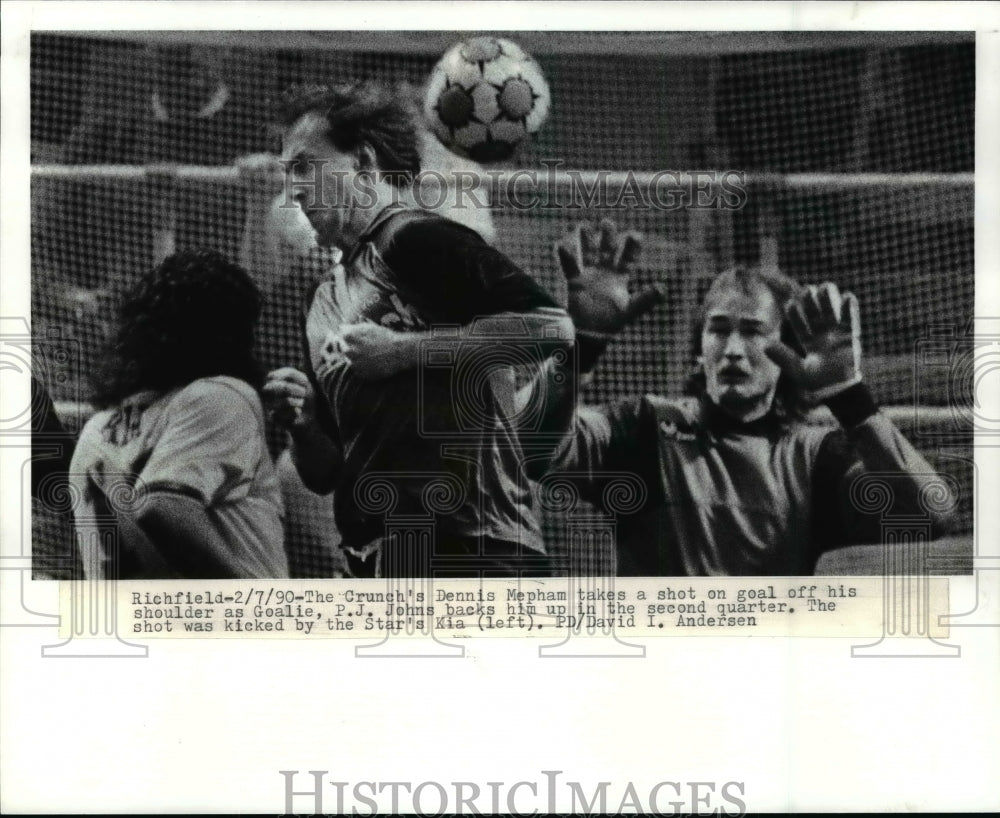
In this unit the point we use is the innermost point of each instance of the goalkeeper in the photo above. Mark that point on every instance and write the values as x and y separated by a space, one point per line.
737 482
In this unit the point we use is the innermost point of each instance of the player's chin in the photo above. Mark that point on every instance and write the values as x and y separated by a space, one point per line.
737 394
326 235
319 220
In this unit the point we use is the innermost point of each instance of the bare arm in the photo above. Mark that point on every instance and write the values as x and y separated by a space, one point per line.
316 457
377 352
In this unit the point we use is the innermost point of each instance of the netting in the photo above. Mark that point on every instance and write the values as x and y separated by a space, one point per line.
858 155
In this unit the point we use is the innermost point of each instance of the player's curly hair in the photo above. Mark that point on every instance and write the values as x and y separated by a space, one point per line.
363 113
194 316
789 399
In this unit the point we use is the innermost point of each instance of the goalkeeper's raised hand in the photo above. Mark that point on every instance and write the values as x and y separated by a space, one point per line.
827 324
597 265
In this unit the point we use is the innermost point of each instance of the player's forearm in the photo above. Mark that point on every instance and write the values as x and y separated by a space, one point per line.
316 457
916 487
258 251
551 328
547 324
185 536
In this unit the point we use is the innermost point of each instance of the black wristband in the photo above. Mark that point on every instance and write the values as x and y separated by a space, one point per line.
853 406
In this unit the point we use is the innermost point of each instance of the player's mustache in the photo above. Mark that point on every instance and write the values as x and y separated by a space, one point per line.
730 371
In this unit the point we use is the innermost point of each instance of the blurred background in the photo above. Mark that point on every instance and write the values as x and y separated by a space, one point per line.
858 150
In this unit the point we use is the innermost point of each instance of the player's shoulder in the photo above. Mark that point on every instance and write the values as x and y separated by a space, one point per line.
219 393
678 413
813 426
416 226
97 426
112 436
814 433
220 387
92 432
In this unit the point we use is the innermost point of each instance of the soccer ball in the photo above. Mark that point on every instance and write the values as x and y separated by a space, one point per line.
485 97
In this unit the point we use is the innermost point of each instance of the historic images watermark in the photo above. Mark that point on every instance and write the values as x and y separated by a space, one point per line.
316 792
315 184
956 370
44 545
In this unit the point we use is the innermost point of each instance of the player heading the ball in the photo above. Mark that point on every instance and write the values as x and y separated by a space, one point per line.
369 420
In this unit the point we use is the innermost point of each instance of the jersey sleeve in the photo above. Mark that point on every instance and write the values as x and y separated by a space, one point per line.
835 461
212 444
448 263
869 447
604 442
324 414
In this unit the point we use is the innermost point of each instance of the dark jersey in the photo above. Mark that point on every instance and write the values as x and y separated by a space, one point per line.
726 498
435 441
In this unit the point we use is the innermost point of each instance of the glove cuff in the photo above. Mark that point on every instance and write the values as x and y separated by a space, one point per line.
853 405
824 393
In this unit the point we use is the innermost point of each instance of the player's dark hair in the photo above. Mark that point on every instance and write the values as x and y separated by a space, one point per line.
789 398
363 113
192 317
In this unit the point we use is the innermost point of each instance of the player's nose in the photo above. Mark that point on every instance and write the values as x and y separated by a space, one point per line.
734 347
307 198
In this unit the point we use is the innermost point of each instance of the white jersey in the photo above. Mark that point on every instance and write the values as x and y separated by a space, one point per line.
205 441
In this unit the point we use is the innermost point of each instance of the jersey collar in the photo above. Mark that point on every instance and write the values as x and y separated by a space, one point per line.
719 421
380 218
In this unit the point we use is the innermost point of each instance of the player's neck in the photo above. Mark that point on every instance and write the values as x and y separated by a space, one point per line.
384 195
745 411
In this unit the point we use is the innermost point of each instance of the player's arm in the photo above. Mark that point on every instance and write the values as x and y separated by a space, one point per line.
597 265
184 536
613 439
866 459
291 398
828 327
488 295
377 352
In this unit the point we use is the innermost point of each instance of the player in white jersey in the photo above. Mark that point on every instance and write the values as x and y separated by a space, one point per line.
172 475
